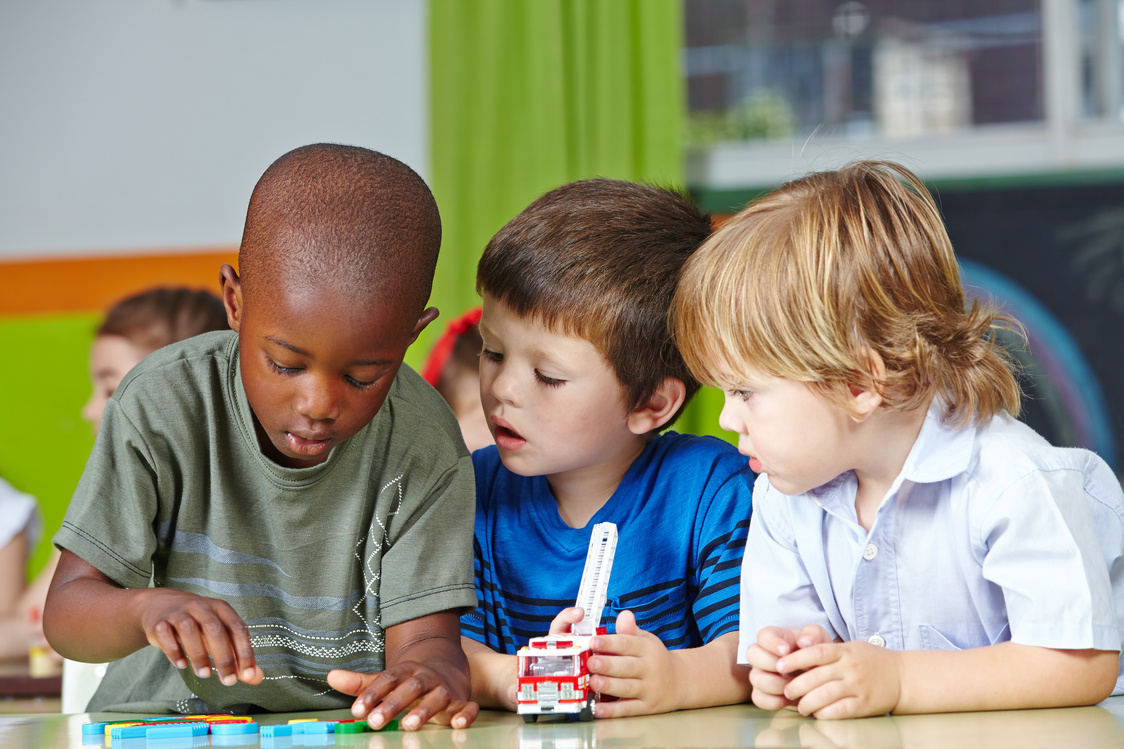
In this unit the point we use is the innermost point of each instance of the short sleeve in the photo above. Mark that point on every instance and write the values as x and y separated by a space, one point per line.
776 589
428 565
1039 544
725 526
109 523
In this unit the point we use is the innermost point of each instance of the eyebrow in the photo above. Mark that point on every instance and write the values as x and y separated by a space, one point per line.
302 352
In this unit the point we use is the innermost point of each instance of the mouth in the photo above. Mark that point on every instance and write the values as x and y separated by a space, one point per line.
307 445
506 437
755 463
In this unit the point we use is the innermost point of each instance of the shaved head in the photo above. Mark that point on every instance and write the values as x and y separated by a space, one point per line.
341 218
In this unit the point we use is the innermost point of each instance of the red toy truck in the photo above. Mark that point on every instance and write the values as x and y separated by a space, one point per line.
553 677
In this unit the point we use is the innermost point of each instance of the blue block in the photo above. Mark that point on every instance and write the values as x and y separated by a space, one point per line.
312 727
239 739
177 730
225 729
95 728
276 730
129 732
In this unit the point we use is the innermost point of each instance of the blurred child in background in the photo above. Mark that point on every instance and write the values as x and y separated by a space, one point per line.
453 367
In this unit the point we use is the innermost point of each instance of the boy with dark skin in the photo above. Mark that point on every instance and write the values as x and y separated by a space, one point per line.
336 265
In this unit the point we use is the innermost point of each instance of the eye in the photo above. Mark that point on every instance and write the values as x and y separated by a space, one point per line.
360 384
741 394
490 355
281 370
548 381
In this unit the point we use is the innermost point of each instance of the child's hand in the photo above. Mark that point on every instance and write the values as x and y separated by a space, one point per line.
381 696
842 680
635 666
565 619
769 685
188 627
426 673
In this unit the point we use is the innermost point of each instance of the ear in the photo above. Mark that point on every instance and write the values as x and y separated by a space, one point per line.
427 316
231 295
865 402
658 409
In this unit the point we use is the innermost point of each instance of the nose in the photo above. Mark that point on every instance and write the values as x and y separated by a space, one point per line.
319 398
504 386
727 418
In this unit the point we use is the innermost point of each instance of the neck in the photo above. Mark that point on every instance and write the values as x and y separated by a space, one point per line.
883 441
581 492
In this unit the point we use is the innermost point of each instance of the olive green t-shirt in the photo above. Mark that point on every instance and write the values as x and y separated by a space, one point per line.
318 561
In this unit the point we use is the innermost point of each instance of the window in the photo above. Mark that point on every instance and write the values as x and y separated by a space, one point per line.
953 88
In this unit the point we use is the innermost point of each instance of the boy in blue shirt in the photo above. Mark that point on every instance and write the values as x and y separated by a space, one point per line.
280 509
923 551
578 376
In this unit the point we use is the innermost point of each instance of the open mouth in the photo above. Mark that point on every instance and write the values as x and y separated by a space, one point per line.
507 438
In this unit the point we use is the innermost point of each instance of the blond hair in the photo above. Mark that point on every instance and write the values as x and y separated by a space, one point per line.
805 282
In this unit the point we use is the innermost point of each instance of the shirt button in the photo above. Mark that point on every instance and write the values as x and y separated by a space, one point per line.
877 640
870 552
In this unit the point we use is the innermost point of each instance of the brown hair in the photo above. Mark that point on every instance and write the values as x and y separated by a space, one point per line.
155 318
599 259
805 281
345 218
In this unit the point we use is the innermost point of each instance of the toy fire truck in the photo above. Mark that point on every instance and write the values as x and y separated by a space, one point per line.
553 676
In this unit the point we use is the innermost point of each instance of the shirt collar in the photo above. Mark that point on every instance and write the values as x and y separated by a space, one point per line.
941 450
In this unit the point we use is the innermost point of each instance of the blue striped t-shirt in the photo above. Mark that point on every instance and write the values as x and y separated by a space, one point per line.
682 513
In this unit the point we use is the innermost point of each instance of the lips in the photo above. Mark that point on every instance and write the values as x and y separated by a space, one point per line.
506 437
307 445
755 465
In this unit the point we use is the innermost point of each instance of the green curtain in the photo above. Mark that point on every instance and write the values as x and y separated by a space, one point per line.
530 94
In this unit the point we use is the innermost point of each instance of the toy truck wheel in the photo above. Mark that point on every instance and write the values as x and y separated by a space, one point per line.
586 713
530 717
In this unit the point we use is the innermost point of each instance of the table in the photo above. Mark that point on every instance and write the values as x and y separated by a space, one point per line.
735 726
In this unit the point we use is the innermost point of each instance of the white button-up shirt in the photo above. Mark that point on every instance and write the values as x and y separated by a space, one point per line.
988 534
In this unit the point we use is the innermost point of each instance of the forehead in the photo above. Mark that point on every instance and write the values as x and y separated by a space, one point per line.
535 337
315 315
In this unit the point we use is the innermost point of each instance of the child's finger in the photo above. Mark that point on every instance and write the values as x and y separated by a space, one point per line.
367 688
768 700
813 634
618 644
245 667
768 681
561 623
464 714
192 643
758 657
806 658
626 624
163 637
620 666
432 704
622 688
221 626
777 640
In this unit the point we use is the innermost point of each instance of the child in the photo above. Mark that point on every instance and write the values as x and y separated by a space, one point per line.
296 499
453 368
577 376
925 551
138 325
19 529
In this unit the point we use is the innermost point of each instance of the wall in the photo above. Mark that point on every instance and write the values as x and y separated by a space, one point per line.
131 136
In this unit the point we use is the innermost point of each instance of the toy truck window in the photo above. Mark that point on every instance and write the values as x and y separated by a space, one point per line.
550 665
